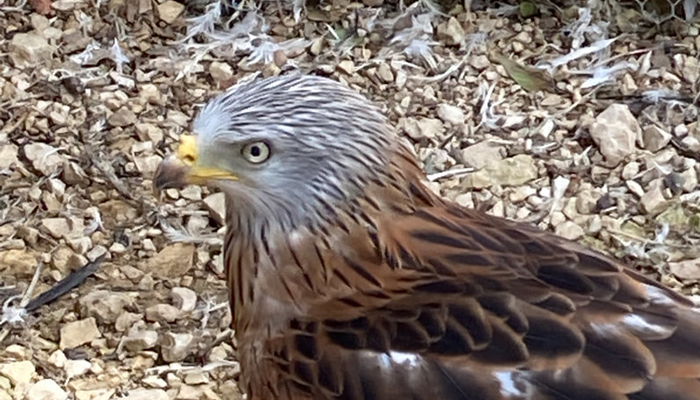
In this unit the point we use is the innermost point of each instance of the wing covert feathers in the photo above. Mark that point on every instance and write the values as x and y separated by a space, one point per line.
453 304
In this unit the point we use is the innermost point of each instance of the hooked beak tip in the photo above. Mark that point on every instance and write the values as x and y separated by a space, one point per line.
171 173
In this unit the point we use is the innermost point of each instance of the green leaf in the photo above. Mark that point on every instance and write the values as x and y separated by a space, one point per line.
531 79
528 9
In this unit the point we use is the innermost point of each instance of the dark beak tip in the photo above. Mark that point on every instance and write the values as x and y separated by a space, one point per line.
169 174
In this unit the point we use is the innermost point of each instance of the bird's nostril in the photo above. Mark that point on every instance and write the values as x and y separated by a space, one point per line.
188 159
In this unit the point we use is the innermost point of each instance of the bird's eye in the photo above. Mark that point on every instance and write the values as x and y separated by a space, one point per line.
256 152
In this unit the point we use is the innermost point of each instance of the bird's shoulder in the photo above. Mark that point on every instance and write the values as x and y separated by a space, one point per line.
455 304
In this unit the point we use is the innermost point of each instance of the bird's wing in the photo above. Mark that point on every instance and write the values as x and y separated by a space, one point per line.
462 305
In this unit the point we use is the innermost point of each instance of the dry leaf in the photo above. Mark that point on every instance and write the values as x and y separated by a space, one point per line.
42 7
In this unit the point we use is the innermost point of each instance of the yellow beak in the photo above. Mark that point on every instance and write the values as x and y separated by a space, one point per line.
186 168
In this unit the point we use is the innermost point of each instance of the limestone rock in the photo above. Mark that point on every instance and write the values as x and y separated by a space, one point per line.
58 359
423 128
686 270
147 165
385 73
175 346
19 372
65 260
147 131
56 227
74 334
450 114
569 230
75 368
104 306
451 32
122 117
46 389
183 298
8 155
653 201
30 49
191 192
220 71
147 394
480 63
480 154
655 138
43 157
20 262
170 10
140 340
513 171
126 320
172 261
615 132
164 313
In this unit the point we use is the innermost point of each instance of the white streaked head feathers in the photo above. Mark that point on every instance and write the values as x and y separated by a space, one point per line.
283 106
326 142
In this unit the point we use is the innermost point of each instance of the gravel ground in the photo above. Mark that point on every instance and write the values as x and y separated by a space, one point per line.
581 121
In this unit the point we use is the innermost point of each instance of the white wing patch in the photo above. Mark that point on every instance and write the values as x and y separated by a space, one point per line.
638 325
657 296
514 384
400 358
605 329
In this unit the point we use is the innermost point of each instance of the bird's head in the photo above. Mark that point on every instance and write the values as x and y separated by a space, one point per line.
285 147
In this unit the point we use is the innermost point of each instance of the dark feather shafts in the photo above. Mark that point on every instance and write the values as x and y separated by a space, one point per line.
65 285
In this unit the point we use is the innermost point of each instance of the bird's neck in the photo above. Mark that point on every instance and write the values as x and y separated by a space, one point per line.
277 274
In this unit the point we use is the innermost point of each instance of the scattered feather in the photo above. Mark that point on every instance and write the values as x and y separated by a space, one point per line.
433 7
505 10
204 24
118 56
421 48
86 55
248 27
373 21
662 169
12 314
246 37
488 117
578 28
585 27
178 367
655 96
603 75
559 186
96 222
65 285
182 235
264 52
449 173
297 7
662 233
473 40
209 307
15 314
689 9
416 39
579 53
86 22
